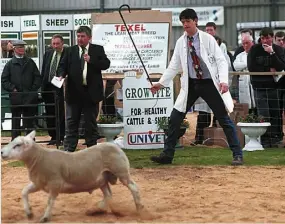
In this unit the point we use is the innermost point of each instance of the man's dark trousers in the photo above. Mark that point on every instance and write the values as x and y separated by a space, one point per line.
205 89
73 114
52 98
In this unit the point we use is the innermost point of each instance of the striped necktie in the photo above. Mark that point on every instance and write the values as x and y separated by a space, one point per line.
195 58
53 67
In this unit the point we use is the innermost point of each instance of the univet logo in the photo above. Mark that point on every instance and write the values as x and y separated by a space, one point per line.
146 138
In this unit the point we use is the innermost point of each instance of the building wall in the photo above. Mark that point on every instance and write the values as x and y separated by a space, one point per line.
235 11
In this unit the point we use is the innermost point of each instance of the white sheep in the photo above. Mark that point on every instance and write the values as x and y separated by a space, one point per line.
55 171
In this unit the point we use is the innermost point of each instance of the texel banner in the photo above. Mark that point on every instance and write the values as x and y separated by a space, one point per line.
205 14
151 40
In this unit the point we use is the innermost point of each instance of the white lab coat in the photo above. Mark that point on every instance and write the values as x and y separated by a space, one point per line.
213 58
245 88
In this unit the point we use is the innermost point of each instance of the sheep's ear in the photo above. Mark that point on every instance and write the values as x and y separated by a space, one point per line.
31 135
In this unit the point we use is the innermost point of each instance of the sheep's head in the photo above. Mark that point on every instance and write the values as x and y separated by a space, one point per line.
17 148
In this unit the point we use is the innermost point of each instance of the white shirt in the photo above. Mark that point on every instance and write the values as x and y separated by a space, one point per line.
240 63
85 63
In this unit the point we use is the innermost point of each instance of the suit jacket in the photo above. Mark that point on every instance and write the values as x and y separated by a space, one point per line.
46 65
70 65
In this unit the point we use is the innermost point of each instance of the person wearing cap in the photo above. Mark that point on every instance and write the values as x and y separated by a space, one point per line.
204 74
22 79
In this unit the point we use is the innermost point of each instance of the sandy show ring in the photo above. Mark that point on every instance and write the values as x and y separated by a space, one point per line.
174 194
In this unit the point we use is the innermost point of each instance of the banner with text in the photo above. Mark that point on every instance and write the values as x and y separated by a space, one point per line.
30 23
142 110
205 14
10 23
81 20
151 40
57 22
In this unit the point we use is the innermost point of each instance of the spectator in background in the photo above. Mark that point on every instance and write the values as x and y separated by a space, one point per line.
7 49
51 61
240 63
211 28
240 48
280 39
267 57
10 51
22 79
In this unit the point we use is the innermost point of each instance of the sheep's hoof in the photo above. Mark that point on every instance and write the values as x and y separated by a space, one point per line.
30 215
102 206
44 219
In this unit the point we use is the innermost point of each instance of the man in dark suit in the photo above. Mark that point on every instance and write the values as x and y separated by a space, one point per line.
51 61
83 64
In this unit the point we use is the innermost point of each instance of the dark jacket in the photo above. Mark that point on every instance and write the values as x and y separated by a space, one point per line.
70 65
46 65
24 78
258 60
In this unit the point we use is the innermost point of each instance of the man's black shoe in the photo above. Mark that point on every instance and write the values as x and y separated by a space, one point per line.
161 159
196 142
237 161
52 142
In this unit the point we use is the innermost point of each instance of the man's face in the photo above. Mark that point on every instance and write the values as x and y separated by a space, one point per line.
266 40
19 50
83 39
9 46
189 25
211 30
280 41
57 44
247 44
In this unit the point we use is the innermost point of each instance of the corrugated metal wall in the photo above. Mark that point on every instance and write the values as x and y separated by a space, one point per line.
235 10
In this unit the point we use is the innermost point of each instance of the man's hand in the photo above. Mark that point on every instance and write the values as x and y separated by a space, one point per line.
272 69
224 87
86 57
60 78
156 87
267 48
14 90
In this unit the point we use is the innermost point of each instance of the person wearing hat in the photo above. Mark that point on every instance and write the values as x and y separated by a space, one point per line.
205 75
22 79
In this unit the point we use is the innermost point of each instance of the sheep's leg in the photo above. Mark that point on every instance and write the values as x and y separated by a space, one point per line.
107 194
131 185
30 188
47 215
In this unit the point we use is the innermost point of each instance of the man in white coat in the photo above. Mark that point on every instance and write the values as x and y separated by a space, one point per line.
240 63
205 75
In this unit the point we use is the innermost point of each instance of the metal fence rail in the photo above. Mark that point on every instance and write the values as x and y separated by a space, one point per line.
38 116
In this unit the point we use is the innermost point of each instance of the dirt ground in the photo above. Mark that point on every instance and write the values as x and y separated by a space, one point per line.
176 194
173 194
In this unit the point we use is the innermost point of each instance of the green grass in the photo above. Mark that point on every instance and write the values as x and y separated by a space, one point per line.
202 157
8 133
